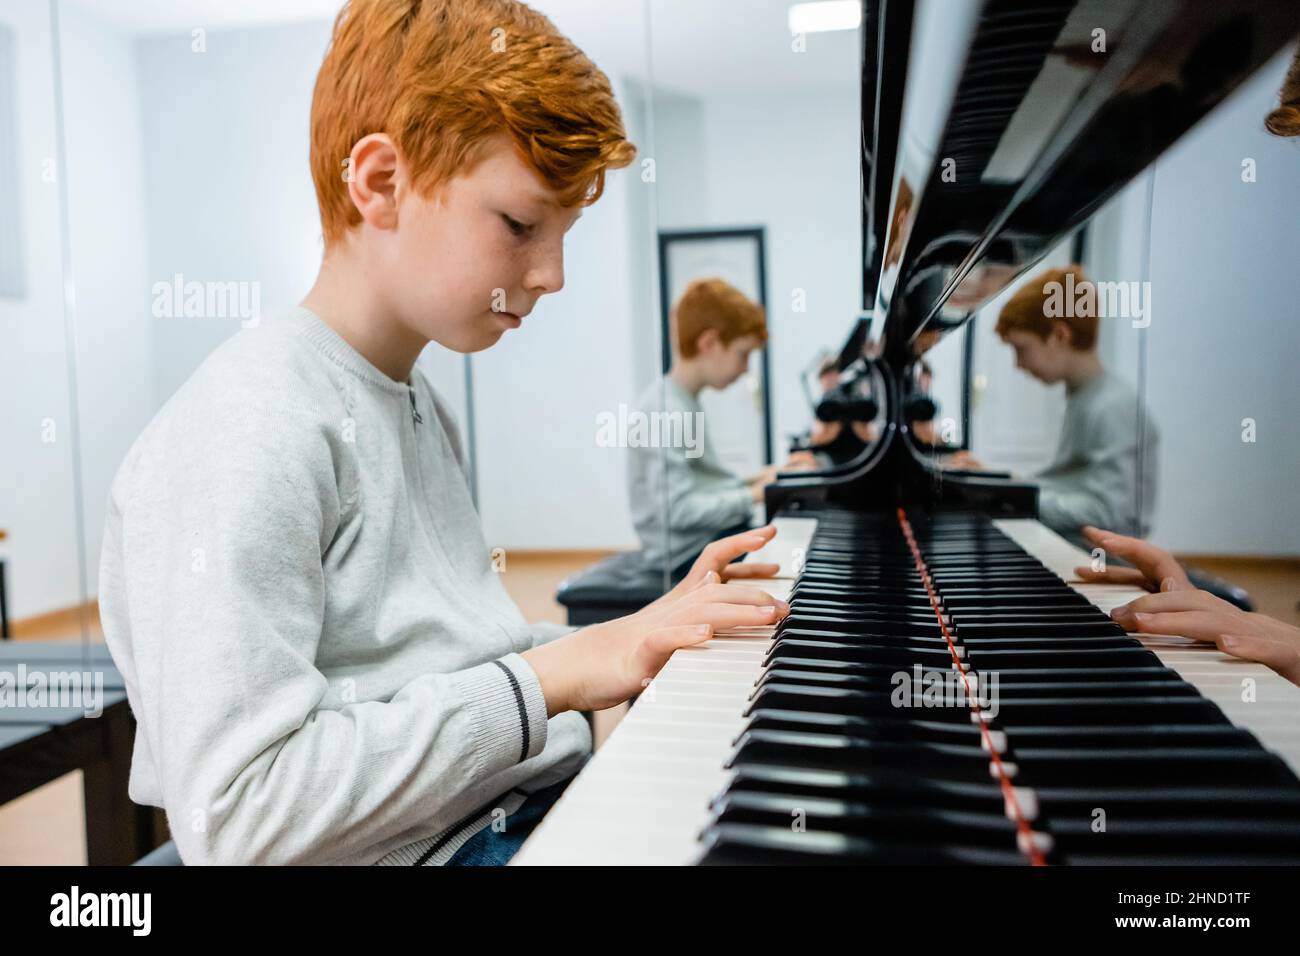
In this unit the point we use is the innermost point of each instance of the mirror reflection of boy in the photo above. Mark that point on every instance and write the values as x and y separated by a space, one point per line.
1093 477
1176 605
683 498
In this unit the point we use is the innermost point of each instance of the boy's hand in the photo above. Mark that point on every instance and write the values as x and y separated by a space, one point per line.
1186 613
962 461
800 461
604 665
719 556
1202 616
1153 568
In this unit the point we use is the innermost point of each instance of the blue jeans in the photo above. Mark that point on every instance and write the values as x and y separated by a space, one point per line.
489 847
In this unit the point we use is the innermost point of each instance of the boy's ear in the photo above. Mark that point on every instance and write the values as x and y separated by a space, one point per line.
708 339
372 178
1061 334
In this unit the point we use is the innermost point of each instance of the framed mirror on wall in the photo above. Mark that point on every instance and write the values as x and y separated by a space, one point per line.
741 413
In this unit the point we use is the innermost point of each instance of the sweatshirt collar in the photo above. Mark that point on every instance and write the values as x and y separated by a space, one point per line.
336 348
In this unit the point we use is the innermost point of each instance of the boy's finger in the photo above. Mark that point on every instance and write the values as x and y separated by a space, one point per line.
1197 625
1278 655
1155 562
664 641
731 615
736 594
710 577
1165 601
746 569
723 552
1129 576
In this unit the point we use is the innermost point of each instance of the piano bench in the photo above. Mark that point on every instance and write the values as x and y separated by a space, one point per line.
620 584
1224 590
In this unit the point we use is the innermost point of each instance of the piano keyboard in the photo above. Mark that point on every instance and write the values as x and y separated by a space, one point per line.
1048 736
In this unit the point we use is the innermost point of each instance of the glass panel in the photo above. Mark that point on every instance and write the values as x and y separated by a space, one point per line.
757 184
42 592
1219 230
1054 392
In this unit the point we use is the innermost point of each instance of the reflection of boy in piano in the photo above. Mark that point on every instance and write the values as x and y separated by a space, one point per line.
683 498
1092 480
831 443
1176 606
321 658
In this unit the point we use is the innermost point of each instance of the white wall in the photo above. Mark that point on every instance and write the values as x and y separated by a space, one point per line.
1225 332
229 189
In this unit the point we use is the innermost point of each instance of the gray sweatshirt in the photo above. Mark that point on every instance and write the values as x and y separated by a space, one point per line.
681 495
322 662
1094 477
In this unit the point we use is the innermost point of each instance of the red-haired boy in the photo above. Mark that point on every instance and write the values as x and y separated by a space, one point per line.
323 665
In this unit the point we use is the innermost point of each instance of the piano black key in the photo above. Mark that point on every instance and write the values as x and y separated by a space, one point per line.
858 819
746 844
830 751
873 728
862 713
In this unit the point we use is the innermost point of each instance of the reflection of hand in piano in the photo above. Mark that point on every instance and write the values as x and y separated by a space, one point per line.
962 461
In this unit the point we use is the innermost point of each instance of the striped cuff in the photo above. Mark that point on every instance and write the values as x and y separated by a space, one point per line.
507 710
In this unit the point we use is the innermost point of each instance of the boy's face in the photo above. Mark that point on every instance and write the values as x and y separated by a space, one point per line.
469 262
1046 359
724 362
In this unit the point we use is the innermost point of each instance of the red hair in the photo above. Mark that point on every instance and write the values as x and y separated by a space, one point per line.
1285 120
715 304
1027 309
441 77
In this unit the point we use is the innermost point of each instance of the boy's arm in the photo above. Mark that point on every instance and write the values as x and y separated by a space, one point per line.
221 558
689 504
546 631
1102 492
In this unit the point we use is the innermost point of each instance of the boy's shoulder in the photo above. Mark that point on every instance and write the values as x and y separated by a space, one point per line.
262 380
665 395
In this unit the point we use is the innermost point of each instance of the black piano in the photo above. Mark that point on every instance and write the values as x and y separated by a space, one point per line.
1068 741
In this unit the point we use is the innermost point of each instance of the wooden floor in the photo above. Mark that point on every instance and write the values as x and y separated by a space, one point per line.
1273 583
44 826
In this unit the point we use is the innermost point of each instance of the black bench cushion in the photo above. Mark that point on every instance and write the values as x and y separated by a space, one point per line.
621 579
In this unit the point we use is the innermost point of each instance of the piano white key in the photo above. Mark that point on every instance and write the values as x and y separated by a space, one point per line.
643 798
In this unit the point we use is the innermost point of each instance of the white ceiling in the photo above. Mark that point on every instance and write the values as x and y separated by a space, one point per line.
698 45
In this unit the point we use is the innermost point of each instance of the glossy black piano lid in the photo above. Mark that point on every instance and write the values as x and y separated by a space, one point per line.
1034 128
